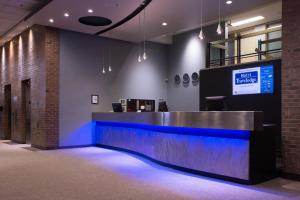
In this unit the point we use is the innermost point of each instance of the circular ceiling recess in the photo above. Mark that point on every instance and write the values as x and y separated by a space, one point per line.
95 21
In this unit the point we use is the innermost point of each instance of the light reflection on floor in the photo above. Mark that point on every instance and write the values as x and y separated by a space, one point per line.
147 172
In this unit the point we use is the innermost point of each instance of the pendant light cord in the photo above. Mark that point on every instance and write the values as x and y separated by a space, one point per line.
109 50
201 14
144 30
102 57
219 11
140 33
109 55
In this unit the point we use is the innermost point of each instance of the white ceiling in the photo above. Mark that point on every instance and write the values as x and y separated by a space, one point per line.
181 15
13 11
271 12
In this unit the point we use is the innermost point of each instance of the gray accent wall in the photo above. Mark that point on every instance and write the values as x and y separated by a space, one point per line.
81 76
187 54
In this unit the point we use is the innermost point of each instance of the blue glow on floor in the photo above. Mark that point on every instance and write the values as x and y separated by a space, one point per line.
136 168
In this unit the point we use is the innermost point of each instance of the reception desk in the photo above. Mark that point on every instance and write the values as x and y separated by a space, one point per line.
233 146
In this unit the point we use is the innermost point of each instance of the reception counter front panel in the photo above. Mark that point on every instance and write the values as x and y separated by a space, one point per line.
207 143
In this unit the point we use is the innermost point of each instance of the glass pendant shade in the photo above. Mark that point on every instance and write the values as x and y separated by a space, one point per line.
219 29
103 71
139 58
109 68
201 34
144 56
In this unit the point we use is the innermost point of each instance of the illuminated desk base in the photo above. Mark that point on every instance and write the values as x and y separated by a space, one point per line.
224 154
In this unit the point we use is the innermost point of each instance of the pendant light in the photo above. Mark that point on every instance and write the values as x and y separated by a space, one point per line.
219 29
109 59
103 68
139 57
144 26
109 68
201 34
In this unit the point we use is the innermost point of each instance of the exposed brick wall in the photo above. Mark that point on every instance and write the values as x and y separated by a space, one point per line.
291 87
32 56
52 87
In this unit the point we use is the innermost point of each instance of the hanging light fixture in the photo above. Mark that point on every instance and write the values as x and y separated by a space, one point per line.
219 29
144 26
109 66
109 59
201 34
139 57
103 68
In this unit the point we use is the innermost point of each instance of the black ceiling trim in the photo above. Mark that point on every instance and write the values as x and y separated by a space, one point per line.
37 9
34 11
95 21
141 7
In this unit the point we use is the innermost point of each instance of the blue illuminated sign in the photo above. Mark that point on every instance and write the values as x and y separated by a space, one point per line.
256 80
246 78
267 79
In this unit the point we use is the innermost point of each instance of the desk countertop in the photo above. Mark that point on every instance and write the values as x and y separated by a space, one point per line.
233 120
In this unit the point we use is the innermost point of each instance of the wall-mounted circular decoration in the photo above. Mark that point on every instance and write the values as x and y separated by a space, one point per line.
186 78
195 77
177 79
95 21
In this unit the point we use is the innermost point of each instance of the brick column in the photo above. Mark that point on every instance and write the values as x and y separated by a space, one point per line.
291 89
52 87
33 55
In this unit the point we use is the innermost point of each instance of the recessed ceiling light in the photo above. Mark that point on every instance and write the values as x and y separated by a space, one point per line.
51 20
90 11
228 2
247 21
66 15
164 24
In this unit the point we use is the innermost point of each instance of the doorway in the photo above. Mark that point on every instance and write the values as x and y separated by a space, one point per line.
7 112
26 109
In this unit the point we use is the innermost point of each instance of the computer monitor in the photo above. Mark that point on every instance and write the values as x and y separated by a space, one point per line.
117 107
215 103
162 106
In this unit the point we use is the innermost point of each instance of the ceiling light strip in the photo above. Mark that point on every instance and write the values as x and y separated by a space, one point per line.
141 7
247 21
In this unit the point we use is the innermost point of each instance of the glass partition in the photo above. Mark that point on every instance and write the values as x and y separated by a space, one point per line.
255 44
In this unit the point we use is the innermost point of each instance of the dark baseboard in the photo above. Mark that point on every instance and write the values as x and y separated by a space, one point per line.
295 177
63 147
43 148
76 146
19 142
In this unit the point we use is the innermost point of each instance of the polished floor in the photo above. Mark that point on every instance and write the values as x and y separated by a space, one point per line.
94 173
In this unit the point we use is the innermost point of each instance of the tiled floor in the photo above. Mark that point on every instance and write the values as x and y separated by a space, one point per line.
95 173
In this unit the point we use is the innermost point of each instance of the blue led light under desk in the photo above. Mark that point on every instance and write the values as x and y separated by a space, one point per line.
208 132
